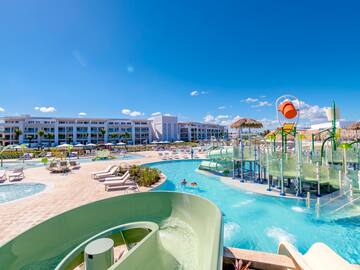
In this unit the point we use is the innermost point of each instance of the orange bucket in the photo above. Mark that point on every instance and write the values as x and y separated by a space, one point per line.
288 109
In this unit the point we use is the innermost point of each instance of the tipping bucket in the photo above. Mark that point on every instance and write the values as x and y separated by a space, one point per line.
288 109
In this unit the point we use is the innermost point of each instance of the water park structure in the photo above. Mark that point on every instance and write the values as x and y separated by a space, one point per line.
291 161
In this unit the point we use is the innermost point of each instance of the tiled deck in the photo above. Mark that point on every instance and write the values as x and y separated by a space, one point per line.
63 193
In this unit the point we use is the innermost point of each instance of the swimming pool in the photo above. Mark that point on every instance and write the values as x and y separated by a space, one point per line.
11 192
259 222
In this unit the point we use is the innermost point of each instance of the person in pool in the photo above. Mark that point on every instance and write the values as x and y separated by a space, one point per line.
194 184
183 182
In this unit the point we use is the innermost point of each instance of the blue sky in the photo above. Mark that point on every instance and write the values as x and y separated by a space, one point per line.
136 58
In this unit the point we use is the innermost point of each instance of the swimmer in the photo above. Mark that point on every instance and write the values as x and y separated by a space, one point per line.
183 182
193 184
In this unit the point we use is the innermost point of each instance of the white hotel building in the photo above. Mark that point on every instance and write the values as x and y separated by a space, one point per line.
101 130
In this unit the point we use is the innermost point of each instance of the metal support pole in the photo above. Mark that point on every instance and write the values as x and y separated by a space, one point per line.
282 192
318 178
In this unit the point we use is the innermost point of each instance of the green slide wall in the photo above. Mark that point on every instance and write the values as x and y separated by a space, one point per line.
182 219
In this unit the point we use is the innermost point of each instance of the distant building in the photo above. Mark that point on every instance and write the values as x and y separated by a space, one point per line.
326 125
194 131
164 128
59 130
73 130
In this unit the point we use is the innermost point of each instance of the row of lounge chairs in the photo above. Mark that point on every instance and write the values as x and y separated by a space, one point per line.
13 175
173 155
63 166
112 181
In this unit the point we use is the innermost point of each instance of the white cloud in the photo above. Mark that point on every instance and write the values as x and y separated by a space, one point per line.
262 96
130 69
250 100
197 93
82 114
312 113
224 120
156 113
2 109
222 107
49 109
194 93
167 114
79 58
131 113
269 123
262 104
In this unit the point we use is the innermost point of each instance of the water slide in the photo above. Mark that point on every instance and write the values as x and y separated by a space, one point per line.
156 230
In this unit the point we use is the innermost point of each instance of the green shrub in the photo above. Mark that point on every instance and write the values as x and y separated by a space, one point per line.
144 176
226 172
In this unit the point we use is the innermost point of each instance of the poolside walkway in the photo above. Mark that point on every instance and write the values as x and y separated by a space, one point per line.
63 192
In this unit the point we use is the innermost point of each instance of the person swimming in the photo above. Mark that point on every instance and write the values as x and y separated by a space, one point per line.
194 184
183 182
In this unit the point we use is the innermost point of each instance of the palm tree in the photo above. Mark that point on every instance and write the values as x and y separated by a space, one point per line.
49 136
41 134
17 132
30 138
126 135
102 131
114 136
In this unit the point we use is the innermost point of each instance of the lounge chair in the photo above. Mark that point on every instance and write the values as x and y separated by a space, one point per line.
74 165
16 175
63 166
52 167
2 176
117 178
318 257
93 174
124 185
102 176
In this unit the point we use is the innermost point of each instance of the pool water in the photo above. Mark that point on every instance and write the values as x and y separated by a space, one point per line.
260 222
10 192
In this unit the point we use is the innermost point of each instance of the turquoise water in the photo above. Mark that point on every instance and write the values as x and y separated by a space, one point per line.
10 192
259 222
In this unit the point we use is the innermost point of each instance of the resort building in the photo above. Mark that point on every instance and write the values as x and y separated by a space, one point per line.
194 131
52 131
164 128
55 131
326 125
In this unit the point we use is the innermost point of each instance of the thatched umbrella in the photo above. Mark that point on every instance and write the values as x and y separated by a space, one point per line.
354 126
246 123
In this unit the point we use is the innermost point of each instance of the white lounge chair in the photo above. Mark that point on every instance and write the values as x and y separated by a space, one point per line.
74 165
2 176
16 175
318 257
93 174
102 176
120 184
117 178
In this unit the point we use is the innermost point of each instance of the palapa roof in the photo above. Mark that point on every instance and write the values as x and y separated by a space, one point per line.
354 126
246 123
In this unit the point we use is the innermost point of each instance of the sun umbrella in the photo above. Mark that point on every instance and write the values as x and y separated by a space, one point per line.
91 144
154 142
121 143
179 141
109 144
79 145
65 145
